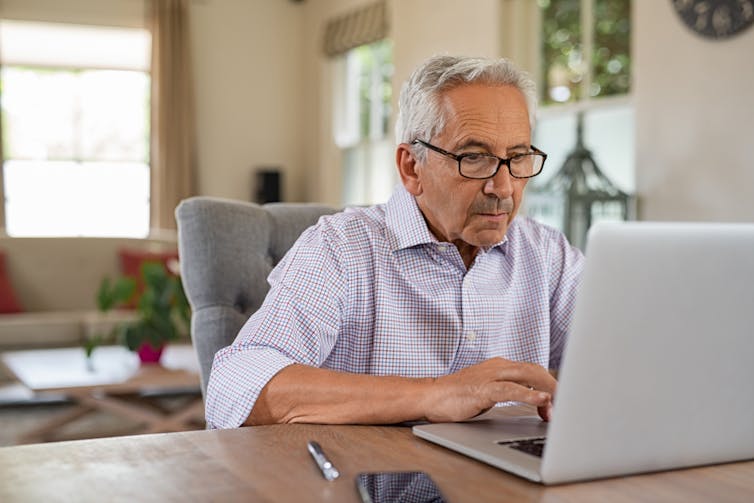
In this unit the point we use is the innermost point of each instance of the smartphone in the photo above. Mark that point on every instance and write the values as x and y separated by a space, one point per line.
397 487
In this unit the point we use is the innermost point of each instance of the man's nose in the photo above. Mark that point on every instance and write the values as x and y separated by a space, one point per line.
500 185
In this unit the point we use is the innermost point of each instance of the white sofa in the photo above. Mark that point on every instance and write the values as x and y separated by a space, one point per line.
56 280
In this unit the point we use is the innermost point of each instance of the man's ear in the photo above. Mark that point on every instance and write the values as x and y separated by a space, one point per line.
407 169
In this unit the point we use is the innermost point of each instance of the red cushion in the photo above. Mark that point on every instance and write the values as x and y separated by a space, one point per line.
131 261
8 302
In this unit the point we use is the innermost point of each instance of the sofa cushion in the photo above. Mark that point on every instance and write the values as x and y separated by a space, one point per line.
8 301
40 329
57 328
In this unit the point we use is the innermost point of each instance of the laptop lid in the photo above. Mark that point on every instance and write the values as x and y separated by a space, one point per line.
658 370
659 366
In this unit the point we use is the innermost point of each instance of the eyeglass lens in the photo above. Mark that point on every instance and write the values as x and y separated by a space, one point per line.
485 166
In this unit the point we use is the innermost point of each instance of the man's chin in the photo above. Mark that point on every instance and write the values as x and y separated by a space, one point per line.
488 231
487 238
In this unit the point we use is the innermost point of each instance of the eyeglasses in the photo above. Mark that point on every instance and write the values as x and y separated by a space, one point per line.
481 166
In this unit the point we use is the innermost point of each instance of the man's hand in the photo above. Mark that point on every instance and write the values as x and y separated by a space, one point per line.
475 389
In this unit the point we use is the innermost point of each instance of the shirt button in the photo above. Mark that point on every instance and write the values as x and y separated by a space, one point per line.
471 336
442 248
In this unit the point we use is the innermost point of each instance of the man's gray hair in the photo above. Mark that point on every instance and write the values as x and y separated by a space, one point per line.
420 115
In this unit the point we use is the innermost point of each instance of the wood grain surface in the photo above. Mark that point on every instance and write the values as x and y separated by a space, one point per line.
271 463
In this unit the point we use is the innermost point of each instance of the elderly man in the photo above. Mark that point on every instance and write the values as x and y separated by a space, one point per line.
435 306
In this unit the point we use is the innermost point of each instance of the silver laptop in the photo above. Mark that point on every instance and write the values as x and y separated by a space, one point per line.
658 372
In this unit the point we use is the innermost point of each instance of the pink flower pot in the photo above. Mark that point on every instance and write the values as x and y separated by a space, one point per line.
148 354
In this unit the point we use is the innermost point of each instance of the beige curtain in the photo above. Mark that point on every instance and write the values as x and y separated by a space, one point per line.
173 150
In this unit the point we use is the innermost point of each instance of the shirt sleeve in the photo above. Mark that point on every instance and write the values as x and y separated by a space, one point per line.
566 265
297 323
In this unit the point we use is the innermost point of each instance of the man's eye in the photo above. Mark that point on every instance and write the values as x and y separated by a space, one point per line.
476 158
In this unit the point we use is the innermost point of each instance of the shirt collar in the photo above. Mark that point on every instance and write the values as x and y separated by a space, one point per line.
405 222
407 227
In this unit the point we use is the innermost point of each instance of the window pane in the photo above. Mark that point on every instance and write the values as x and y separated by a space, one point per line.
364 94
608 134
375 91
76 199
39 111
362 115
611 58
121 94
563 66
75 112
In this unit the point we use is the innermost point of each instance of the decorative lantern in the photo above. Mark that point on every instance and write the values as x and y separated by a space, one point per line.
578 195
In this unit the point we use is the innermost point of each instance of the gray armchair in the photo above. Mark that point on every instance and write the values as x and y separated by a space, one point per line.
227 248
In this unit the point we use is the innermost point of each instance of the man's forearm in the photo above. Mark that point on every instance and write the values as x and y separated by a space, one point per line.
304 394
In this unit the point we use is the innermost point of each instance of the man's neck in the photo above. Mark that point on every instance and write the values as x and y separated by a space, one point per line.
468 252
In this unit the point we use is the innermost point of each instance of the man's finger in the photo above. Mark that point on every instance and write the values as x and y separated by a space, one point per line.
545 412
511 391
529 375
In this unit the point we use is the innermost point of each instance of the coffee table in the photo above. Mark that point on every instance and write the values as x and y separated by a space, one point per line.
113 381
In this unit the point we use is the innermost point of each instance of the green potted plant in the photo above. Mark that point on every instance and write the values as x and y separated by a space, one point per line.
163 312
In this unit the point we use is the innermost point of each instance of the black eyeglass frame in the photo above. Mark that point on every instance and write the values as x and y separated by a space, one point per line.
501 160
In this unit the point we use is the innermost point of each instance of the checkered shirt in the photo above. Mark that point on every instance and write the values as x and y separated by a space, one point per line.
372 291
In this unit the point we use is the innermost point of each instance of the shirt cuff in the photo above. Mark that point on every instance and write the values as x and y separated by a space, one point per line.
236 380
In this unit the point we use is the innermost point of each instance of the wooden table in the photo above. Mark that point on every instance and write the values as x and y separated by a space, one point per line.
112 380
271 463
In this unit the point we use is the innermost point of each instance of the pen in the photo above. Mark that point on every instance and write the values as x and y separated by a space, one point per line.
328 469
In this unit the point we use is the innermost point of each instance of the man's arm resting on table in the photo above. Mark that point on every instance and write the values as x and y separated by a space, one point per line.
304 394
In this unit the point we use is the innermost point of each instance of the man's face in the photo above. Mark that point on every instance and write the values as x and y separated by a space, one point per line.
473 213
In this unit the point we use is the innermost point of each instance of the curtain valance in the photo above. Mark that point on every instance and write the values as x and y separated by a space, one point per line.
358 27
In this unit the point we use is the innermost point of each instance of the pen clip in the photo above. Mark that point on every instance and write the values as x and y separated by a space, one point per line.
325 465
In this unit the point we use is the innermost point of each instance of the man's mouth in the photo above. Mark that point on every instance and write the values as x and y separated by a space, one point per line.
494 216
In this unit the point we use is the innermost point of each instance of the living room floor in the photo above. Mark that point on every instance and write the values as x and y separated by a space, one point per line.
19 418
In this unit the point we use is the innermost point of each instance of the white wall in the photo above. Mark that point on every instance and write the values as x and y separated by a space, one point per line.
423 28
694 120
248 62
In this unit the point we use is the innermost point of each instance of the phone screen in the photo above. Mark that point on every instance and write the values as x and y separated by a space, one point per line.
393 487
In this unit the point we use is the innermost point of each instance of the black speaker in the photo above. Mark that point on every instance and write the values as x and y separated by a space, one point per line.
267 186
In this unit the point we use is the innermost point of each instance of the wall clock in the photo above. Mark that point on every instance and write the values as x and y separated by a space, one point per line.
716 19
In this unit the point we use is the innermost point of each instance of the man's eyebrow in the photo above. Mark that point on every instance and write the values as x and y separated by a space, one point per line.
473 143
521 146
487 148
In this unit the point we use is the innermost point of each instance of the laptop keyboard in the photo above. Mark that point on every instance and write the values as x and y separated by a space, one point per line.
533 446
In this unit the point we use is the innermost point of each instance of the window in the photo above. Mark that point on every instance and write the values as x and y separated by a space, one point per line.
363 99
586 71
579 63
75 111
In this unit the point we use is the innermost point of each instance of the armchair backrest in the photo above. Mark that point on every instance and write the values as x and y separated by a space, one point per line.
227 248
